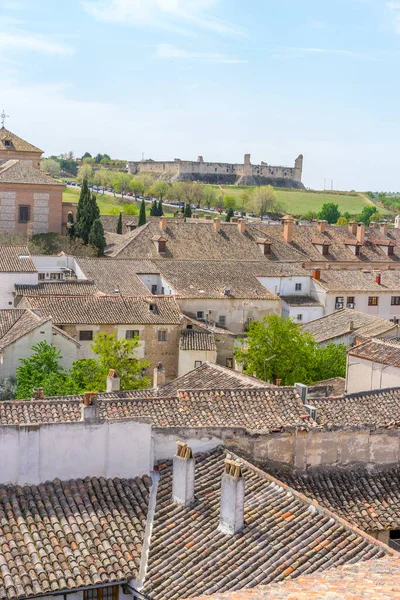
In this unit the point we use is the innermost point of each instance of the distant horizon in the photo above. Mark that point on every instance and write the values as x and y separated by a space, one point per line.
179 78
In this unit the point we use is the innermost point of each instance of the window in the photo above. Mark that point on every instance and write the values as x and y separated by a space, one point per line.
154 288
162 335
197 363
24 213
373 301
395 301
41 276
153 308
390 251
189 326
56 276
298 287
162 245
85 336
350 299
7 143
299 317
222 320
200 314
229 363
131 333
339 302
357 250
105 593
325 250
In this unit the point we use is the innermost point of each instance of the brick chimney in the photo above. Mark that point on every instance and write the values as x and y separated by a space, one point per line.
378 279
113 381
316 274
322 226
158 376
38 393
183 467
360 232
352 226
163 223
242 225
234 220
232 498
89 408
384 228
288 224
207 217
278 382
217 224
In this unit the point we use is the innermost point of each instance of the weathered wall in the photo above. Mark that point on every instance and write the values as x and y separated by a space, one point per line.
188 359
22 348
7 283
31 158
39 453
45 203
364 375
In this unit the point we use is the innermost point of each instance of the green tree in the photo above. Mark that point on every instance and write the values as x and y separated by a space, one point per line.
142 214
209 196
367 214
136 187
329 212
85 375
229 215
69 166
41 369
154 209
85 172
88 161
97 238
119 224
160 189
70 225
329 361
263 200
50 166
87 212
276 348
230 202
160 212
192 192
120 354
188 211
342 221
309 216
86 155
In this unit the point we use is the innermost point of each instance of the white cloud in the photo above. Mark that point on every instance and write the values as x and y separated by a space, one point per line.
21 41
393 9
168 51
292 52
181 16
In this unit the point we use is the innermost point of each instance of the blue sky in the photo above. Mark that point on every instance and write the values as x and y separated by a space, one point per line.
220 78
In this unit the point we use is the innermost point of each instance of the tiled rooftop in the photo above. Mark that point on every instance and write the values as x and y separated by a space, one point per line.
109 274
358 281
346 321
295 300
385 352
18 171
15 323
16 259
93 310
369 499
197 340
17 143
371 580
284 536
69 287
63 535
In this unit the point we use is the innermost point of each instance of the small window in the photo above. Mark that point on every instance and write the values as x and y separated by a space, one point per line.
7 143
200 314
229 363
373 301
56 276
41 276
153 308
357 250
395 301
105 593
390 250
339 300
162 246
189 326
85 336
197 363
222 320
350 299
325 250
154 288
298 287
162 335
24 213
131 333
299 317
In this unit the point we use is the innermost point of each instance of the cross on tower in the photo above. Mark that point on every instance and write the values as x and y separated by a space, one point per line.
3 118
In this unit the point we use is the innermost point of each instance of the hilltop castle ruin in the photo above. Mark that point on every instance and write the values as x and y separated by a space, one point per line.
223 173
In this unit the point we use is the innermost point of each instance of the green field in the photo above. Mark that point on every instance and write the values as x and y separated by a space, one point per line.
295 202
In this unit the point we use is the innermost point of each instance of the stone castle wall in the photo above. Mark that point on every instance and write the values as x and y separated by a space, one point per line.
228 173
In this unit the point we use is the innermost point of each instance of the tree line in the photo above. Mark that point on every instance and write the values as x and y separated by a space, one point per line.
330 212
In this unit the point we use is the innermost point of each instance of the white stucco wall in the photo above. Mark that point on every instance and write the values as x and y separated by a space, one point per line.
7 282
69 351
39 453
22 348
187 359
165 443
308 313
364 375
163 287
286 286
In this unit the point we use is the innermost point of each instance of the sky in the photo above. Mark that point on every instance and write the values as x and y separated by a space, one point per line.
217 78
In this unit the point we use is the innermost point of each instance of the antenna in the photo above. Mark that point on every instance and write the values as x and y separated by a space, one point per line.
3 117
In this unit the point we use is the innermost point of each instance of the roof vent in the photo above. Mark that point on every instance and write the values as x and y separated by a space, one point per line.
302 391
312 411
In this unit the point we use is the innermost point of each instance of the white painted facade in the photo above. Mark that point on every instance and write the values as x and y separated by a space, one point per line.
287 286
40 453
301 313
7 283
363 375
157 284
190 359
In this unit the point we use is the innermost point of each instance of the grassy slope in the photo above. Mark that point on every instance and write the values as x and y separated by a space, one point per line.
296 202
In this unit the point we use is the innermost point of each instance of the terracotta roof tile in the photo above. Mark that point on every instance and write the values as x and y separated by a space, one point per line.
18 171
385 352
197 340
15 323
109 274
17 143
16 259
69 287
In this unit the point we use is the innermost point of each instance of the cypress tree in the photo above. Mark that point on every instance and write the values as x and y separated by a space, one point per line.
188 211
70 225
154 210
88 211
142 214
96 237
229 215
83 198
160 209
119 224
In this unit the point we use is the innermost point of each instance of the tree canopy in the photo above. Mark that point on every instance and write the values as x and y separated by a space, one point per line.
329 212
142 214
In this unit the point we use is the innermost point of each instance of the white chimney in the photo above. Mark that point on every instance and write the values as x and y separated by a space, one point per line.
158 376
183 475
113 381
232 498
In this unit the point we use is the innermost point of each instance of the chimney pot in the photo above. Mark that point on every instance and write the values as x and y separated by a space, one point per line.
113 383
384 228
378 279
217 224
316 274
158 376
322 226
242 225
288 224
352 227
89 398
278 381
183 469
232 498
163 223
360 232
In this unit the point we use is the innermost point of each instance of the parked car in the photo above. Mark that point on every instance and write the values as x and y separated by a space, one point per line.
129 194
68 182
110 190
252 215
